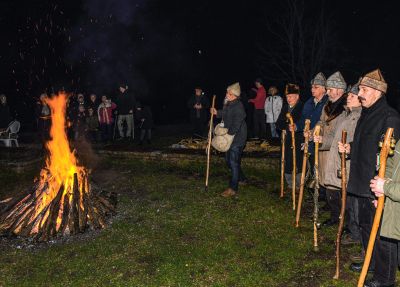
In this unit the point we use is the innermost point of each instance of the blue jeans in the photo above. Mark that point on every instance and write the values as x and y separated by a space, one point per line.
274 133
233 158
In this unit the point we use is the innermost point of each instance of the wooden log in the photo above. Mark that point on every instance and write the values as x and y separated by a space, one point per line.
64 218
83 213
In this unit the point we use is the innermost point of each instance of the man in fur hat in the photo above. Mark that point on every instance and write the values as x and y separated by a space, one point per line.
294 107
233 116
376 117
335 86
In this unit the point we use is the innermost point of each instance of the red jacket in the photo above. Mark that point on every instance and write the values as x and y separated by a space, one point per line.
259 100
104 113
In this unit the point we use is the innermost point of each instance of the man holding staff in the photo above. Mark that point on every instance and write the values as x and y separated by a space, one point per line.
313 108
330 118
390 188
294 107
233 116
376 117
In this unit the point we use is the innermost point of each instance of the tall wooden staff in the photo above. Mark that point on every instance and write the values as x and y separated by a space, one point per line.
283 138
209 143
343 172
303 171
317 130
387 146
290 119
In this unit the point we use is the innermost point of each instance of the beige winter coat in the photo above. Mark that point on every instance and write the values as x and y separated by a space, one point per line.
346 121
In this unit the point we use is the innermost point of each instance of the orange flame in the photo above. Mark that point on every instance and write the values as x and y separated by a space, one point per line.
61 164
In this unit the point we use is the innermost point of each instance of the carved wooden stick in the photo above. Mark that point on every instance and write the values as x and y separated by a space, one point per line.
283 138
317 130
289 117
386 149
343 207
303 171
209 143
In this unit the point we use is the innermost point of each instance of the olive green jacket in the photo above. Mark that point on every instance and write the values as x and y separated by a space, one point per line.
390 227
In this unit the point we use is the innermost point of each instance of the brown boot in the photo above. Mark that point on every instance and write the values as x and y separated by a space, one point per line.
228 193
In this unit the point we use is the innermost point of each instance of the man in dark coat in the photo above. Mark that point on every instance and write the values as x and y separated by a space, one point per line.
126 103
376 117
5 115
198 105
233 116
294 106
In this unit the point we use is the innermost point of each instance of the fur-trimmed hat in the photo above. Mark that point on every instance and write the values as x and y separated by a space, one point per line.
336 81
319 80
374 80
234 89
292 89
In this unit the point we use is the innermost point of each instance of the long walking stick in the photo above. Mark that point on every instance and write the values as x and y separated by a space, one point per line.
343 207
317 130
283 139
289 117
303 171
387 146
209 143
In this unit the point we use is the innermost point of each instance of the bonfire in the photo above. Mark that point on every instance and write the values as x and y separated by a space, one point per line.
62 201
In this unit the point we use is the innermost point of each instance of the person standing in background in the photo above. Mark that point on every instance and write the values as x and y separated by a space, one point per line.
198 105
273 107
259 113
126 104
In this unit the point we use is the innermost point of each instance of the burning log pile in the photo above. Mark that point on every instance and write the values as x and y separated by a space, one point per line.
62 201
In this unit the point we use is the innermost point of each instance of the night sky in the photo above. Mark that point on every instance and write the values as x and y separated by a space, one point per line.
162 49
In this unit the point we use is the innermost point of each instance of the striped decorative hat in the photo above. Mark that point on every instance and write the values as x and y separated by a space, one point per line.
374 80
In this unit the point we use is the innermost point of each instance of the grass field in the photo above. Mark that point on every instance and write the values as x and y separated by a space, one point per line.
170 232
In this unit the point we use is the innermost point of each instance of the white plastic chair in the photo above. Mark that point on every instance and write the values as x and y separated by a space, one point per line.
11 134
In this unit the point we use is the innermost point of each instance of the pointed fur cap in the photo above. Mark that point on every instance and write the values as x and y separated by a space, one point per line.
292 89
319 80
336 81
234 89
374 80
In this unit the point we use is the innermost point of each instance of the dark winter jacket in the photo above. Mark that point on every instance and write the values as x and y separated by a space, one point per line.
312 112
282 124
201 114
373 123
125 103
144 117
80 122
92 123
234 117
93 105
5 116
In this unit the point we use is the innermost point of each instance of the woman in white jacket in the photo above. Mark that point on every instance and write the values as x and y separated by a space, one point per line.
273 106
